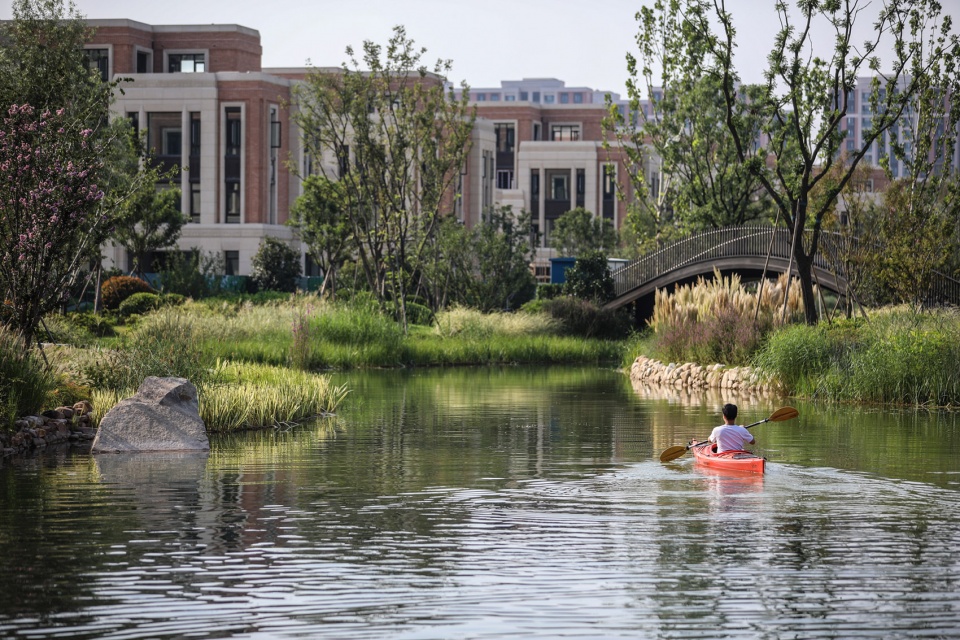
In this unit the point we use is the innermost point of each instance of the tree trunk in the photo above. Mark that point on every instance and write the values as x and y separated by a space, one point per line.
805 276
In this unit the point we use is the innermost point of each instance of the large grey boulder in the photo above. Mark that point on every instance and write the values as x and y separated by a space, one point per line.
163 416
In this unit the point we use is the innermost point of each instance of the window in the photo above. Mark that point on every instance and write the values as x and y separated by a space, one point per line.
558 187
310 267
536 96
523 96
165 136
549 99
194 200
194 166
194 135
509 98
98 61
144 60
186 63
535 184
609 181
172 138
578 98
565 132
234 131
564 98
504 179
505 137
233 145
481 97
231 263
233 202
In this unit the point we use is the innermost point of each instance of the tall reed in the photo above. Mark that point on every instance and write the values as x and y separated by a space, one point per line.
718 320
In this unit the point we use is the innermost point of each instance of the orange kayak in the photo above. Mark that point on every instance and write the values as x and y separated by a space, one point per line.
728 460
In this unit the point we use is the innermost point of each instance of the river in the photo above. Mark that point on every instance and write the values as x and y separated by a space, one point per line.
496 503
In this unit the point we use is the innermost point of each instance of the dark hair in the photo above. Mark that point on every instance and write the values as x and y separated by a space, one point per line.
729 411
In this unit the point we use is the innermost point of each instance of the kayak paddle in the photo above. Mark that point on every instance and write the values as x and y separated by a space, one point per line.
781 414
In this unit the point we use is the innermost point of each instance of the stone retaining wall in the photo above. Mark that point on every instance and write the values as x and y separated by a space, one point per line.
62 424
693 376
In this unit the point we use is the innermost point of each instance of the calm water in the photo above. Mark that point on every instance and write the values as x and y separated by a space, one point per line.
496 504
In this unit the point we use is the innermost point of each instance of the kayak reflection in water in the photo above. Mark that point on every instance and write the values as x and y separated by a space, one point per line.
730 436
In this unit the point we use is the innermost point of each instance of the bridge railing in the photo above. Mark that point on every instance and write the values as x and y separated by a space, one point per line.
752 241
729 242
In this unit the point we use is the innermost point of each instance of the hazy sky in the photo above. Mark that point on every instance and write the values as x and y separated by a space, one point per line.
582 42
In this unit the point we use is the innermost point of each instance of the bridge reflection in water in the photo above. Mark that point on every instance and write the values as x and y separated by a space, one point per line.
746 251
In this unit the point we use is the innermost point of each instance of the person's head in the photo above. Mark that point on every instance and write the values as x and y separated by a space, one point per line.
729 412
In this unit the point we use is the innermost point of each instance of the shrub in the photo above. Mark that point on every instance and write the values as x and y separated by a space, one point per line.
549 291
587 319
419 314
172 300
276 266
589 278
118 288
139 303
96 324
60 329
25 383
192 273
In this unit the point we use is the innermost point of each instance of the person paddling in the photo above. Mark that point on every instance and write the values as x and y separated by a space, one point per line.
730 436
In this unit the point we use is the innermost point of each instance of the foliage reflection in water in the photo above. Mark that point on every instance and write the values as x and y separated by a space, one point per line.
490 503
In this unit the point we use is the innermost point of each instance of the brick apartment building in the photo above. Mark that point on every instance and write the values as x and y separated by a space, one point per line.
206 105
550 155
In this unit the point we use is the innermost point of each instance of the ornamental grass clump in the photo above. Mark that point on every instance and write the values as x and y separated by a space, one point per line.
164 344
714 320
470 323
257 397
25 384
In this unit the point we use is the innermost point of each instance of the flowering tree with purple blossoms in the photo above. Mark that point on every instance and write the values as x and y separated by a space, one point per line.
49 210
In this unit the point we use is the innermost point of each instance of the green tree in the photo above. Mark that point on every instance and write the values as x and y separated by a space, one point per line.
486 267
56 130
388 130
579 231
276 266
685 165
589 278
319 215
805 94
149 220
921 212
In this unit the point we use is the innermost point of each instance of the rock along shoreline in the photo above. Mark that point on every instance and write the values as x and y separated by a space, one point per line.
63 424
691 376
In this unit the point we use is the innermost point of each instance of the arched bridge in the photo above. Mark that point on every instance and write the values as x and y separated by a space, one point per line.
741 250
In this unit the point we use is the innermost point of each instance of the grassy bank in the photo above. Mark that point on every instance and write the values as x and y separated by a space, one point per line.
259 365
898 357
304 333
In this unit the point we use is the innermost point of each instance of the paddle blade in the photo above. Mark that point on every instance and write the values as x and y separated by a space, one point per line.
673 453
783 413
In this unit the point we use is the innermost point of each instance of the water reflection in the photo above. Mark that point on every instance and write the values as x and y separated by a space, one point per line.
492 504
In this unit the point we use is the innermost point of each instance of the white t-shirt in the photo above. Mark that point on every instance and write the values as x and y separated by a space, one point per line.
730 437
